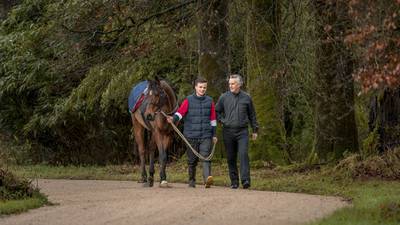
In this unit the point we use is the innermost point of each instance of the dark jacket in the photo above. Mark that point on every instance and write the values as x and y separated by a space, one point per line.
236 111
197 120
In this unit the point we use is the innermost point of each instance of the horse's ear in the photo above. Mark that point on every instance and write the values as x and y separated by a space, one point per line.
157 79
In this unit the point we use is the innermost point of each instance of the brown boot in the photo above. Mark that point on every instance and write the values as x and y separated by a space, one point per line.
209 182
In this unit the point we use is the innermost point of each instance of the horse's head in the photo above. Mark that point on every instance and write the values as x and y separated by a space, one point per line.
162 99
157 95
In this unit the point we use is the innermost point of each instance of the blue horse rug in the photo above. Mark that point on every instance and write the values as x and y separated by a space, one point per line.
136 96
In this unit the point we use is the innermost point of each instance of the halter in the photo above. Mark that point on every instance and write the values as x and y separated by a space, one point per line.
162 99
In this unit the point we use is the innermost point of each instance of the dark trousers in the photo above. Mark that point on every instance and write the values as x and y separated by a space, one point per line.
203 146
236 141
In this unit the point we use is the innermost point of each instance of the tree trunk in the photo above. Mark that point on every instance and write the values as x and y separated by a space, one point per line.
213 44
5 7
261 83
385 117
335 126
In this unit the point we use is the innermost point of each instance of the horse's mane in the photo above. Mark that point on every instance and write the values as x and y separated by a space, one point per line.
171 95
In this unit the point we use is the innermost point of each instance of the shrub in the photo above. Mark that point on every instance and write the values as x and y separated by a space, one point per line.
13 188
385 166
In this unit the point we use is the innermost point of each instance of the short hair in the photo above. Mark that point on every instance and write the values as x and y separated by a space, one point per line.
237 77
199 80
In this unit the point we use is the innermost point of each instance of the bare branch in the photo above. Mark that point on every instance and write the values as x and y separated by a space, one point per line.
158 14
134 24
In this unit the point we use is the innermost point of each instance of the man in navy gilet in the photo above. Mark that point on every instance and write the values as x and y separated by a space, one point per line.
199 117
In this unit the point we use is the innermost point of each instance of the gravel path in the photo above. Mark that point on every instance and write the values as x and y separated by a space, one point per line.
86 202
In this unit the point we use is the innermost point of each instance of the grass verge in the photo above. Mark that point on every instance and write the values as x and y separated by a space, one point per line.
22 205
18 195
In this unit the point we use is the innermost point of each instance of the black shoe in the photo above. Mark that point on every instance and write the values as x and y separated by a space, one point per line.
246 185
192 183
192 176
234 186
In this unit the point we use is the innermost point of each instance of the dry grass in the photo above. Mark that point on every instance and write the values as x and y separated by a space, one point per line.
385 166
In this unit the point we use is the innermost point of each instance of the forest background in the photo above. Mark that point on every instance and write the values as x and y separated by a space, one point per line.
324 75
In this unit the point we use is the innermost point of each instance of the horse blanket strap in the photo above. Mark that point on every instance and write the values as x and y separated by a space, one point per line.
137 95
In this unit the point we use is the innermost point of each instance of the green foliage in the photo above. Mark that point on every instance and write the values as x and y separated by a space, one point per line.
67 67
370 144
374 203
390 211
66 74
297 61
18 195
26 15
12 188
283 85
22 205
261 83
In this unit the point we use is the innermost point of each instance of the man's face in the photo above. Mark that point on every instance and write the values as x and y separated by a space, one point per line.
234 85
201 89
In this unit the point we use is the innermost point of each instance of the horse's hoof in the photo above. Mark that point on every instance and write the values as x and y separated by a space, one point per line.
151 182
146 184
164 184
142 180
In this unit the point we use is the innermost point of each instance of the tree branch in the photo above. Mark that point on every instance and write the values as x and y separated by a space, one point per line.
158 14
135 24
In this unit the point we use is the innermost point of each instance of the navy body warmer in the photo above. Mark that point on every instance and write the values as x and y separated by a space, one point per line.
197 122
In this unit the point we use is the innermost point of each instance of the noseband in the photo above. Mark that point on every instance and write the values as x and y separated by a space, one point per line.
162 100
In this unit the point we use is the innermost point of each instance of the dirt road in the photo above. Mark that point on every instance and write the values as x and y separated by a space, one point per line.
87 202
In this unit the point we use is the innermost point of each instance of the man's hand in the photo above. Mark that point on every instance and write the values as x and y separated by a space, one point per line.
170 119
254 136
215 140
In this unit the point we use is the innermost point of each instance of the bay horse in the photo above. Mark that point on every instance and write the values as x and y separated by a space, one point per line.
160 98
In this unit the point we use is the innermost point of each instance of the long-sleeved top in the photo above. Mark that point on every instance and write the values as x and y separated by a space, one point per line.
236 111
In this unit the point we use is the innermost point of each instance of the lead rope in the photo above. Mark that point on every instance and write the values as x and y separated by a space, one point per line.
188 144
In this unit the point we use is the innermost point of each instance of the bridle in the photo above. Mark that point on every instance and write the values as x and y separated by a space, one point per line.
156 90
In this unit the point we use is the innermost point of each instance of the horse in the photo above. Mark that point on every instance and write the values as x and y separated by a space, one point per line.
151 116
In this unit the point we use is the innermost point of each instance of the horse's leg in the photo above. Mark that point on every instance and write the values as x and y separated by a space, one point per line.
162 158
151 169
139 139
164 142
163 164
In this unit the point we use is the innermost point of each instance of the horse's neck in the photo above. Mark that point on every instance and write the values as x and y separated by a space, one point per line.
170 104
170 97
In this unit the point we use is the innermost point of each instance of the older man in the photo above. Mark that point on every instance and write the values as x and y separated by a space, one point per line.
235 110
